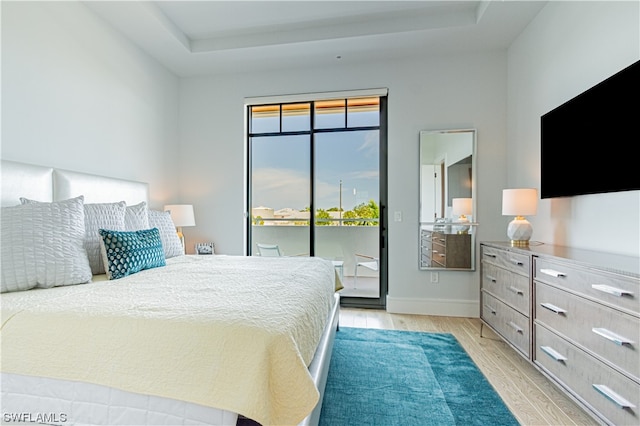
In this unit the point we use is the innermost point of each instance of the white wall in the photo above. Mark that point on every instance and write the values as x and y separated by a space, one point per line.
467 91
77 95
570 47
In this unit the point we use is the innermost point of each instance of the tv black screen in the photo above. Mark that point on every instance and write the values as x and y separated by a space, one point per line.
589 143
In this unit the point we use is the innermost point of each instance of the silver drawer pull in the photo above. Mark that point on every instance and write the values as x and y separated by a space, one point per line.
492 279
553 308
610 335
612 396
553 353
516 290
516 262
515 327
490 255
611 290
493 311
553 273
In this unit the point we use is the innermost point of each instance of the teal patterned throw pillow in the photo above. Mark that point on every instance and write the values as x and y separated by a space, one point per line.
126 253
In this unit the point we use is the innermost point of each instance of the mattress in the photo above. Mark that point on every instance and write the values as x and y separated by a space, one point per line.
43 400
228 332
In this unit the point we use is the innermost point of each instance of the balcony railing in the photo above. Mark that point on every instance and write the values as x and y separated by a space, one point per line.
331 242
304 221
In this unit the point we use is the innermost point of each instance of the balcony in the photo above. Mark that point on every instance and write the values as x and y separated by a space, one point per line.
333 243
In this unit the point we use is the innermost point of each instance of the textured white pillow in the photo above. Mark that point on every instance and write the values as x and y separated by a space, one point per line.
42 245
101 216
136 217
170 241
97 216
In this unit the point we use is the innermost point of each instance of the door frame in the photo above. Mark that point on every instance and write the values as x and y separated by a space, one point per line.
347 301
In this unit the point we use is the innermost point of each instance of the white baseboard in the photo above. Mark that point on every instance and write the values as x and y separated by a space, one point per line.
439 307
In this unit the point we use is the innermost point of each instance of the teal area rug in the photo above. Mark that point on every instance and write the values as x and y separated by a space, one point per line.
391 377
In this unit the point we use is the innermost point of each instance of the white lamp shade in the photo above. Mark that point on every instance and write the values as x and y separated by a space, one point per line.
519 202
462 206
181 214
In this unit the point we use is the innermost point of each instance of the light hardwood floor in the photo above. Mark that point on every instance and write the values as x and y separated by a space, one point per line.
530 396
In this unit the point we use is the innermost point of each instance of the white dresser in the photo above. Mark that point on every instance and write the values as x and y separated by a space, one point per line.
575 314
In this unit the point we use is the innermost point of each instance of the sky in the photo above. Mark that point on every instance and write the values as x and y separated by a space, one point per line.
281 178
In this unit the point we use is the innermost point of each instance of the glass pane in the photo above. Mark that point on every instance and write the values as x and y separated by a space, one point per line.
265 119
363 112
347 184
330 114
296 117
281 193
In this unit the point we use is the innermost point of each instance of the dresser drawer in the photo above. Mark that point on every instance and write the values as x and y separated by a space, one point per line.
425 238
513 289
600 329
438 238
509 323
579 372
438 254
425 260
615 290
515 262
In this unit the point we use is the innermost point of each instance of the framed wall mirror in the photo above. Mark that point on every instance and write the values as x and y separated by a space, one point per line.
447 199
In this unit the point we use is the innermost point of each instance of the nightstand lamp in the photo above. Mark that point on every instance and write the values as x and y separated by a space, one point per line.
462 207
181 215
519 203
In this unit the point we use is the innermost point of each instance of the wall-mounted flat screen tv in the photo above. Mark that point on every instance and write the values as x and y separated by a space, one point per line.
589 144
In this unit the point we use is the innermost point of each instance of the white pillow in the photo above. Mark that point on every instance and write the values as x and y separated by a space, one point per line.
97 216
42 245
170 241
136 217
101 216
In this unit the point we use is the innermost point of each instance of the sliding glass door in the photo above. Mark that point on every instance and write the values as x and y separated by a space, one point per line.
317 187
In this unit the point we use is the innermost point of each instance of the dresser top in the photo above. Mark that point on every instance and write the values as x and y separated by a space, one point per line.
621 264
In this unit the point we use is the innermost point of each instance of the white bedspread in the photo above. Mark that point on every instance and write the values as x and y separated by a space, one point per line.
231 332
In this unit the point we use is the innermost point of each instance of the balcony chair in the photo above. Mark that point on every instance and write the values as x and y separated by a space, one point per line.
268 250
373 263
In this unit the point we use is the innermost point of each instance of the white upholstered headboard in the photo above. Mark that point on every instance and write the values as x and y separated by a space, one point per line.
43 183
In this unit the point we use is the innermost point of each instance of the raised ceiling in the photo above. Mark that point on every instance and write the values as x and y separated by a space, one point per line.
208 37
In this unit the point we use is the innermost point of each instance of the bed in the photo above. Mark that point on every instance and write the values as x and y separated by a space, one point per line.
196 340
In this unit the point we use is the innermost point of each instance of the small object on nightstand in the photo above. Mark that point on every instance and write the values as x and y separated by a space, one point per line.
204 248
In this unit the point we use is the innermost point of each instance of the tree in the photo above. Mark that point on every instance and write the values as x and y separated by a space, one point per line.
350 214
368 210
322 214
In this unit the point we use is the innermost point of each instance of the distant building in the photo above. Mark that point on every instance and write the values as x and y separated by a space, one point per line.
288 216
263 212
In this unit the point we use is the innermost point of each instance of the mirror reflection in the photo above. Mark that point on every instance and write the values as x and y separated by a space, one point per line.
447 199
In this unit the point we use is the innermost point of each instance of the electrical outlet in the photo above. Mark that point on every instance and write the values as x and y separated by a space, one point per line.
397 216
434 277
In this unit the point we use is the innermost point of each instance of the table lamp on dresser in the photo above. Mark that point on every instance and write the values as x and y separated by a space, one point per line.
519 202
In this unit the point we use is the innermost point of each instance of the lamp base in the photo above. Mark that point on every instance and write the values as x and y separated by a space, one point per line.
519 231
181 237
460 226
